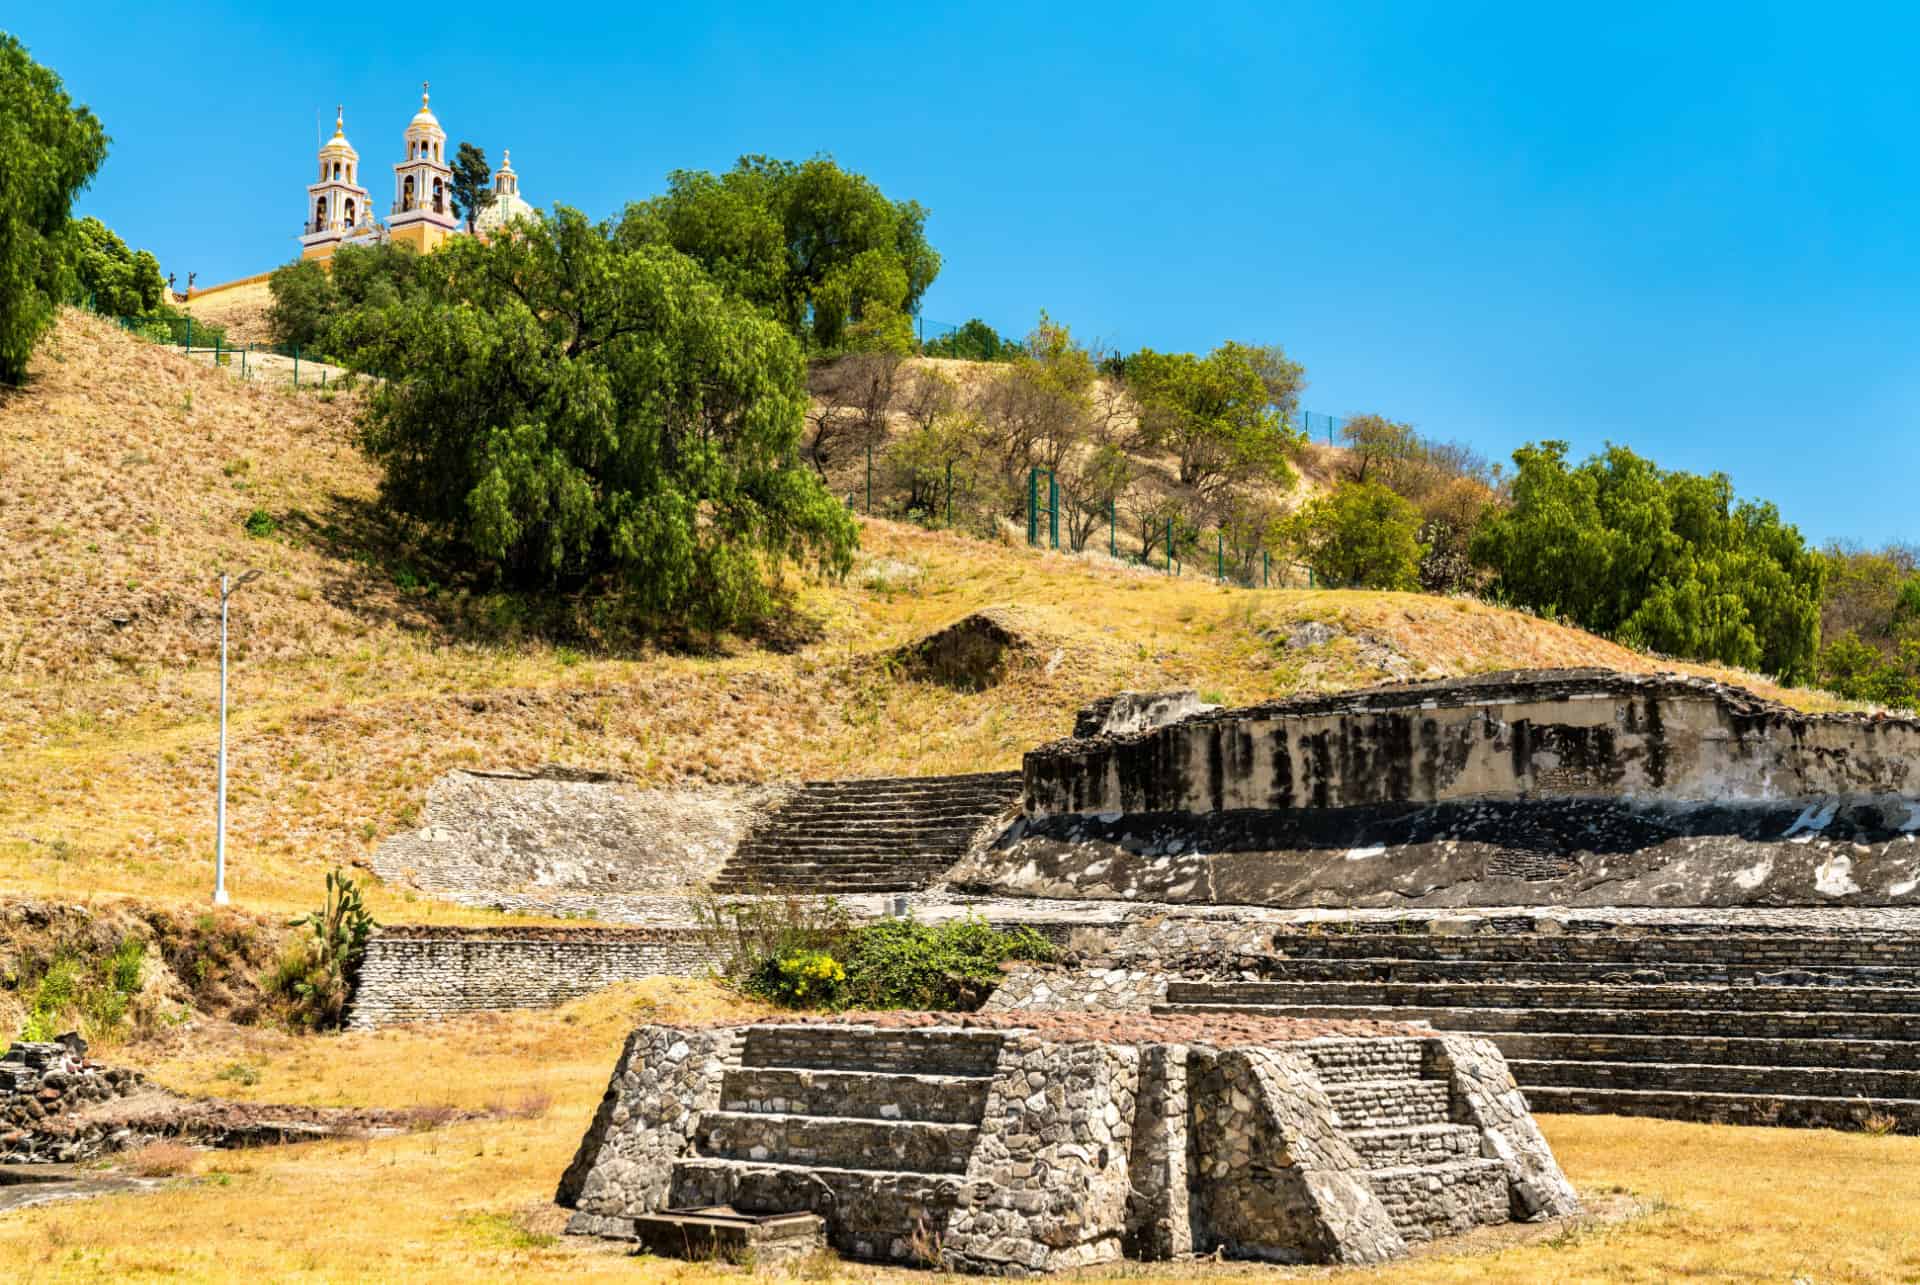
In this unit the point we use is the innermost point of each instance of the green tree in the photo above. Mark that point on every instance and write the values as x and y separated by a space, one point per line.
569 407
1212 414
119 281
471 176
303 305
1284 378
820 248
49 150
973 341
1666 561
1359 536
1381 450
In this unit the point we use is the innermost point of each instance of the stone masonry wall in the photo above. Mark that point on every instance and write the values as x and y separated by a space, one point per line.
1484 1095
665 1079
1048 1180
1273 1176
420 974
1544 734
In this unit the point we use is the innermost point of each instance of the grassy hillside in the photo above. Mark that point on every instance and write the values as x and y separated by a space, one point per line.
127 477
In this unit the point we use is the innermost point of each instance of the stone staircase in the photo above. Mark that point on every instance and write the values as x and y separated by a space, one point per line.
870 1129
1745 1027
1425 1167
889 834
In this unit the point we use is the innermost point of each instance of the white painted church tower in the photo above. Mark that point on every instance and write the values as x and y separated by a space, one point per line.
337 206
423 185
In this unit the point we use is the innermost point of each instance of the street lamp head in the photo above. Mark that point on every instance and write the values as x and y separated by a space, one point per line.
247 579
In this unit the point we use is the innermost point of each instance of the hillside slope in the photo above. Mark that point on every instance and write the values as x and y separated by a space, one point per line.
127 476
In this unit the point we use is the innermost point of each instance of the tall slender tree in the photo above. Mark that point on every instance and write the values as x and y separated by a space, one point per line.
471 179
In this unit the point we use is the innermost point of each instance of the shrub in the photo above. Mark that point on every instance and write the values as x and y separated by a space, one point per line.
795 959
800 978
903 963
68 988
260 524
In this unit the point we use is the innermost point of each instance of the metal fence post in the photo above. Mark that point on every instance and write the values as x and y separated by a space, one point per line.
1053 509
1220 555
188 346
296 365
949 495
1266 568
1169 546
869 479
1033 506
1112 549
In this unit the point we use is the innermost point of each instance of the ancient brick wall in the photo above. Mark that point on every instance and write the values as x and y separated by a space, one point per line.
417 974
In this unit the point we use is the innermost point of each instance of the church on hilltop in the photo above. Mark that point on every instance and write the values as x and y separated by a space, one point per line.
340 210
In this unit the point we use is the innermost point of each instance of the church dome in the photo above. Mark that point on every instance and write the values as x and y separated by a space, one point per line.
507 204
424 123
338 144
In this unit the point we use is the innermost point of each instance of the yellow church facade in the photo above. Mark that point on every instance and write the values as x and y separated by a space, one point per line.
340 209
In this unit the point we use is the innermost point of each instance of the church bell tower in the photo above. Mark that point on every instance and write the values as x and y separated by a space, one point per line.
423 185
337 206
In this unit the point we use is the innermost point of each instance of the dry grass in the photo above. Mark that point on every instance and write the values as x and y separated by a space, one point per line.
120 496
241 308
472 1201
162 1160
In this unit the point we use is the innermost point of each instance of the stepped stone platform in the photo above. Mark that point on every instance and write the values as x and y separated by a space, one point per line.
1049 1141
1556 787
1778 1027
889 834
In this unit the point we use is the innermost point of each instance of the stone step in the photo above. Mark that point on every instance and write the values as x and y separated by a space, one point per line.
1391 1104
1874 1055
923 1050
871 864
774 880
1613 973
1430 1201
1705 1077
842 1142
834 813
871 1214
1493 1022
1799 999
1009 778
804 833
1784 950
1785 1110
1418 1144
871 1095
1337 1061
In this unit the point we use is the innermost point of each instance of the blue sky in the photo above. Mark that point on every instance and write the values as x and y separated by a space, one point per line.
1687 228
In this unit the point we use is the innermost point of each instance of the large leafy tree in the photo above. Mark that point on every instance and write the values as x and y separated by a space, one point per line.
1359 536
1213 414
571 407
303 305
49 150
471 175
120 282
307 297
1663 560
820 248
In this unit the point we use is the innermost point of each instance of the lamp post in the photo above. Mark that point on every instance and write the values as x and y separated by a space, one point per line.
227 590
